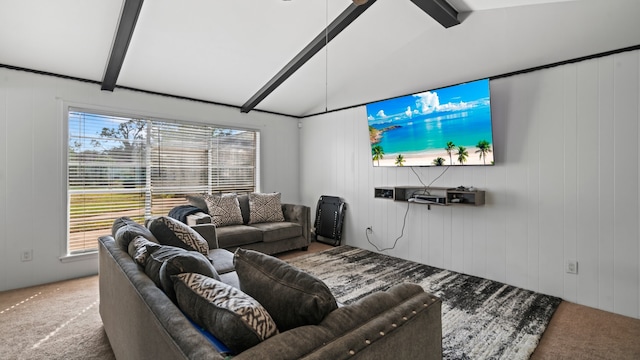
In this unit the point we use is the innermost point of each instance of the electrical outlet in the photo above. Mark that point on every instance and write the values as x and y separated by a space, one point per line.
572 266
369 229
27 255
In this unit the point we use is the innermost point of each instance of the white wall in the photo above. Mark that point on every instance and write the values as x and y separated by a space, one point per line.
565 187
33 166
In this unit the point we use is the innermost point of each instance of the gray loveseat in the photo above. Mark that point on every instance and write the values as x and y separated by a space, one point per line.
142 322
267 237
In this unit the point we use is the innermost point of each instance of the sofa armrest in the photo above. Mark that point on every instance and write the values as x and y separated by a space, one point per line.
299 214
208 232
404 322
198 218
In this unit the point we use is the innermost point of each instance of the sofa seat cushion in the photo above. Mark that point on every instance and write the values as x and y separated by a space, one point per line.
275 231
222 260
237 235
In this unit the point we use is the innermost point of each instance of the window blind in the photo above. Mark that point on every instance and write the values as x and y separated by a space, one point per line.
124 166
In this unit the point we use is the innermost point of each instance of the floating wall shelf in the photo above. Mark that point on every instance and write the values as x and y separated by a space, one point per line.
441 196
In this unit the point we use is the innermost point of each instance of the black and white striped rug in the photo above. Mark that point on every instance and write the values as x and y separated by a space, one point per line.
481 319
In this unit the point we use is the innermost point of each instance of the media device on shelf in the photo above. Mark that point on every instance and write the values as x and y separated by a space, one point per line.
441 127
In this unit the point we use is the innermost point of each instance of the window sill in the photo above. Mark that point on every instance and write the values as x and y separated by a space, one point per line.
79 257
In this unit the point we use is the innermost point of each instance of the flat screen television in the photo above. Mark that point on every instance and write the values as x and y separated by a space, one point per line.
441 127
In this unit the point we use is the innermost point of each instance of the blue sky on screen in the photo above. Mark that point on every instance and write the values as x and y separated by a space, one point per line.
454 98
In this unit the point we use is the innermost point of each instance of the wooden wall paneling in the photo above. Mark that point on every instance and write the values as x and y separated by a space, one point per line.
625 193
553 195
524 94
607 186
480 224
510 152
638 107
570 200
496 244
588 150
435 239
49 166
19 169
551 140
3 182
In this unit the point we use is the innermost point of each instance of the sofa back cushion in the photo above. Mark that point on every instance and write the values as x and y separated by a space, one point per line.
197 200
124 230
243 200
138 250
292 297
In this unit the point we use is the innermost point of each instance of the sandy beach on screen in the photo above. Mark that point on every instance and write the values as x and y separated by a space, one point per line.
427 157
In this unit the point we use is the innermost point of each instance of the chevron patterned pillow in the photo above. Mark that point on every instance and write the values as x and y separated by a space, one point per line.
265 208
172 232
232 316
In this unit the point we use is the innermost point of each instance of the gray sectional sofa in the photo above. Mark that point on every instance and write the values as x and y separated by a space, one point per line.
142 322
269 237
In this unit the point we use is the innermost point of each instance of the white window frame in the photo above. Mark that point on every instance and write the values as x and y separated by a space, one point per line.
68 107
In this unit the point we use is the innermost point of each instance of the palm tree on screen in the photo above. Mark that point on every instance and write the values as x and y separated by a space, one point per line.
378 153
449 148
483 148
438 161
400 160
462 154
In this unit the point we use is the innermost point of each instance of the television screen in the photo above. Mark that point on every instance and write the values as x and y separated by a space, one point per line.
447 126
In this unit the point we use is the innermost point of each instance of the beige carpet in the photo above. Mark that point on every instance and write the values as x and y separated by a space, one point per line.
580 332
53 321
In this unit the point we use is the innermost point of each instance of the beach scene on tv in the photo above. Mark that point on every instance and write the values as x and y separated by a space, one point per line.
448 126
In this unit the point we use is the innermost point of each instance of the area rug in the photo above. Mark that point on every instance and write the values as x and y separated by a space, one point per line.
481 319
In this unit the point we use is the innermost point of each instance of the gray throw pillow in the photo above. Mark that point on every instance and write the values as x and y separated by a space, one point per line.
124 230
158 254
186 262
172 232
292 297
138 250
224 209
232 316
265 208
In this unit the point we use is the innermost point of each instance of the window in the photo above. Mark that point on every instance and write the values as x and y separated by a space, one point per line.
136 167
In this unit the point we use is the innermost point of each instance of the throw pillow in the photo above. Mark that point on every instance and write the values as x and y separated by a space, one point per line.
292 297
138 250
232 316
186 262
265 208
158 254
124 230
172 232
224 209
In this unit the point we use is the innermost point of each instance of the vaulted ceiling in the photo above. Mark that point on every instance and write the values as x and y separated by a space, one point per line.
226 51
